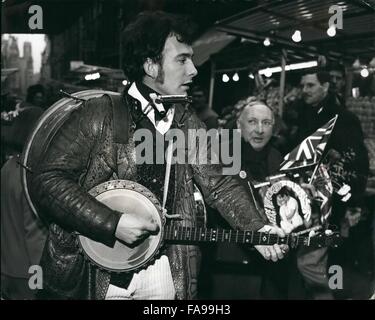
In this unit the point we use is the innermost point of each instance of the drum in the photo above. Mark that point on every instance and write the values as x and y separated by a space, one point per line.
44 131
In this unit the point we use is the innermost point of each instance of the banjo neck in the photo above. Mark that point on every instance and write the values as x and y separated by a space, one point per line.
176 234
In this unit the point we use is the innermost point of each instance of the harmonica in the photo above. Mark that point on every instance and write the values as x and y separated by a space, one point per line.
178 98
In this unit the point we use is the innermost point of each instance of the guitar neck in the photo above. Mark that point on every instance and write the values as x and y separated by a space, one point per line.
196 235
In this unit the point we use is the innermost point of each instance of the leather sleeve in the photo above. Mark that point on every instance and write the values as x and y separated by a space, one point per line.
225 193
56 189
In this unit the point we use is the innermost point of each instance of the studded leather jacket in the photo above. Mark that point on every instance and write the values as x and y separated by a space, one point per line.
89 149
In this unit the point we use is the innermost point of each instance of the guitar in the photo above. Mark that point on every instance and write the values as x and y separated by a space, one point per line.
128 196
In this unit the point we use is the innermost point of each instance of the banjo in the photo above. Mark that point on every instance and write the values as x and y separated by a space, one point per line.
128 196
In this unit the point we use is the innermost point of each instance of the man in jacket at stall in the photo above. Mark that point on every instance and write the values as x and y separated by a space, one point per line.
97 144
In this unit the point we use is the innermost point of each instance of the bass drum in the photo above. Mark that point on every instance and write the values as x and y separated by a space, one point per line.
44 131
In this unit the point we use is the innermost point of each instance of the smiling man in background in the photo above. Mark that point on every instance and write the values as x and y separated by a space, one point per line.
235 271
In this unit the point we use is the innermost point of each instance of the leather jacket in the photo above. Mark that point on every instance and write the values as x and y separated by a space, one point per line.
89 149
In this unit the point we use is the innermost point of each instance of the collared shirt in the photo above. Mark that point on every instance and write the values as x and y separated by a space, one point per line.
161 126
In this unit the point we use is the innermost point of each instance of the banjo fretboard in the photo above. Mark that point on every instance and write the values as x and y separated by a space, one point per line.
195 234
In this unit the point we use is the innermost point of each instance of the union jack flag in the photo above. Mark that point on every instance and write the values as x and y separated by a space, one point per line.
310 150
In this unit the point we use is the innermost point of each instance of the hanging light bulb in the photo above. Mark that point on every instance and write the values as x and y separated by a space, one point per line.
296 37
125 82
364 73
331 31
225 77
268 72
236 77
267 42
251 76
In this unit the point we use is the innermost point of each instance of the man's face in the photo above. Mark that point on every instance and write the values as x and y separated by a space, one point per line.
313 92
256 124
337 81
176 72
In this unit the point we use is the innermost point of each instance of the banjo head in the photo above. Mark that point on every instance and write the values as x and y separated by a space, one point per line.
125 196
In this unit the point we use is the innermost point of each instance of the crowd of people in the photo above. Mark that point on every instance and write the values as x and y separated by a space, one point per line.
97 143
319 98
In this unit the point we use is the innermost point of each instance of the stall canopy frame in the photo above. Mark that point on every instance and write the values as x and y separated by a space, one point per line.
277 20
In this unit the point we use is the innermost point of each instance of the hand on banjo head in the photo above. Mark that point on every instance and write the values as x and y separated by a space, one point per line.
134 227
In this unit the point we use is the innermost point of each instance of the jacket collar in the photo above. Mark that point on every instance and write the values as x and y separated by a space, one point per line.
142 93
329 106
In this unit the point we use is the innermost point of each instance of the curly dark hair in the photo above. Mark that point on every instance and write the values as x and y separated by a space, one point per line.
146 36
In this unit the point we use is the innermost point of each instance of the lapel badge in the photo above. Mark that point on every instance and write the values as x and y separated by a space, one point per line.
243 174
